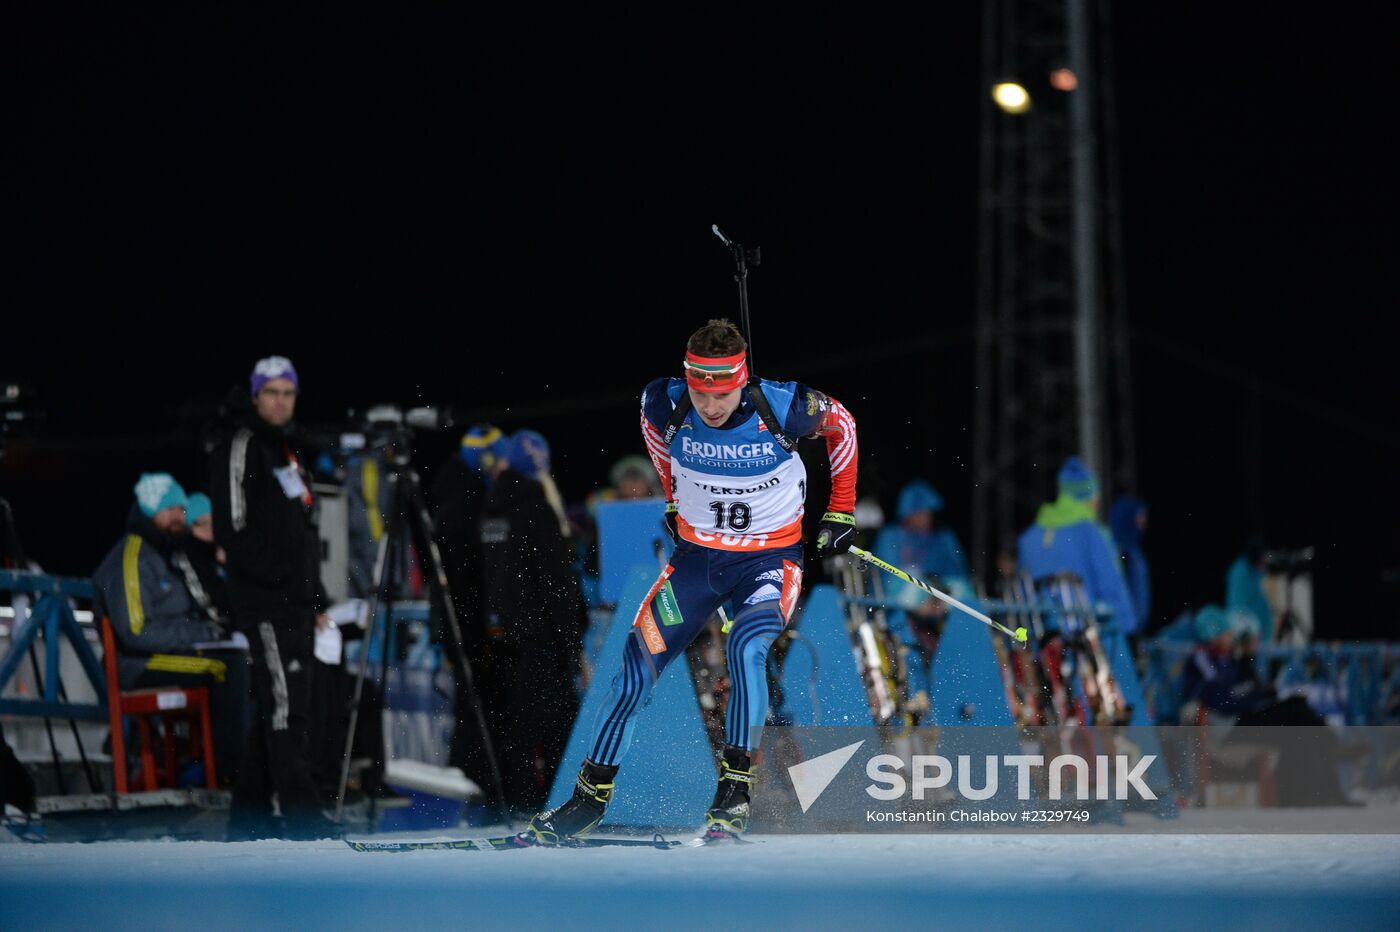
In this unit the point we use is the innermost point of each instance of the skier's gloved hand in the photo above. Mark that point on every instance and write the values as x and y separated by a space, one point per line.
838 532
670 522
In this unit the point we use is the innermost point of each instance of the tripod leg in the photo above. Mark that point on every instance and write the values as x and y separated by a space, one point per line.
377 598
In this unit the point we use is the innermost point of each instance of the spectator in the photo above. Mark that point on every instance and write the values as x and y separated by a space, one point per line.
458 496
633 477
533 599
156 623
1068 538
201 562
264 520
531 452
1244 589
916 545
1222 678
1128 520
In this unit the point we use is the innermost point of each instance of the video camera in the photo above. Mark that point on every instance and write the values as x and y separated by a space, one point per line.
390 428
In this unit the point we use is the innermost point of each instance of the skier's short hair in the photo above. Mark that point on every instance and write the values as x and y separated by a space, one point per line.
718 338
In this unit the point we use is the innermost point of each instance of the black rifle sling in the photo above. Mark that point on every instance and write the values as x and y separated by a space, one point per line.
677 419
765 413
760 403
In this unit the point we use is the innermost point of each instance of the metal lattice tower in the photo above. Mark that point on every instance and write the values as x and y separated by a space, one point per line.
1052 360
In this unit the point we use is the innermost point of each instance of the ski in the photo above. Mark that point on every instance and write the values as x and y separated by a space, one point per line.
510 843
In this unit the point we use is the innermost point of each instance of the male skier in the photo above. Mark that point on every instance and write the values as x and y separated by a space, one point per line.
735 486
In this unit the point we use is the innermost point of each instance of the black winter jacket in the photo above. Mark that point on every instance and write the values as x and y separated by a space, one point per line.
532 594
264 518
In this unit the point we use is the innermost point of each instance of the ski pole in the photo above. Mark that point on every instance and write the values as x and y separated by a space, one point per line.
1019 635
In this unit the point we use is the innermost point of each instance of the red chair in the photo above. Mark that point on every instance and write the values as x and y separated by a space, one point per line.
166 702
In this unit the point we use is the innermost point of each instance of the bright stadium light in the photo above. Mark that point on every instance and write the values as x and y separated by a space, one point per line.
1011 97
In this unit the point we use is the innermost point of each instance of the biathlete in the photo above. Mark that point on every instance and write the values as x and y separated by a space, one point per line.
726 451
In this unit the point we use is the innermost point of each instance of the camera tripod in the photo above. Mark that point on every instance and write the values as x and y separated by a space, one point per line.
407 515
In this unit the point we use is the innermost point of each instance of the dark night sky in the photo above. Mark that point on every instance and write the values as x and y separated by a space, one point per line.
513 217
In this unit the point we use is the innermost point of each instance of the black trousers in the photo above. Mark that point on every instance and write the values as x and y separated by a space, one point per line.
332 689
276 759
537 708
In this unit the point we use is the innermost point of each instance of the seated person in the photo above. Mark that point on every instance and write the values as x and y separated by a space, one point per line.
1221 676
156 622
205 576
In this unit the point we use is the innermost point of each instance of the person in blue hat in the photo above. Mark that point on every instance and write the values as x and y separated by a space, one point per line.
917 545
456 497
483 446
1068 538
536 615
1128 521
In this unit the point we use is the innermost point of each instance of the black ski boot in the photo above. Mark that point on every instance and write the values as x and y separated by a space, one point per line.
729 813
581 814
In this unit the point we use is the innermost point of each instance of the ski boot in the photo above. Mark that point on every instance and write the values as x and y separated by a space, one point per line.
580 815
729 813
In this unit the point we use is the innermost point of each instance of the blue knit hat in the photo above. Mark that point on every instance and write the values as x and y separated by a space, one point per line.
197 507
156 491
918 496
528 453
1077 481
482 446
1211 622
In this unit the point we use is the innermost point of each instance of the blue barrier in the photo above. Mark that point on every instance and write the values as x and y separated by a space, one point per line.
52 615
822 653
629 534
1364 675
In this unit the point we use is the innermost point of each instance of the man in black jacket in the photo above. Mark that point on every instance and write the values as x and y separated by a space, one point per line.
534 602
264 520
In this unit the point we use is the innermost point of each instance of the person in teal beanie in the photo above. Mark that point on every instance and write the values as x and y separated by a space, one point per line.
1068 538
199 508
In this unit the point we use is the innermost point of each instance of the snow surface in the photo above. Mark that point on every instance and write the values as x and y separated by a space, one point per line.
949 880
812 882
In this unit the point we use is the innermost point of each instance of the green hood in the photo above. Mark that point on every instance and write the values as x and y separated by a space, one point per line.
1063 512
